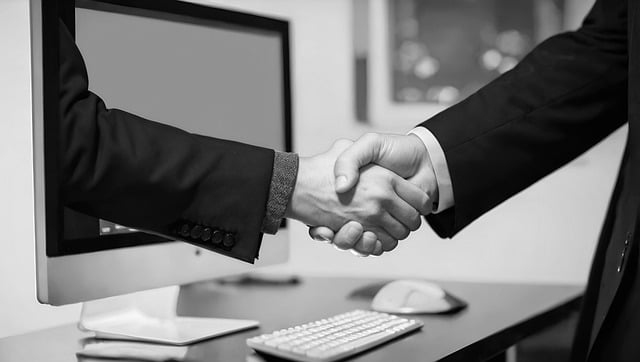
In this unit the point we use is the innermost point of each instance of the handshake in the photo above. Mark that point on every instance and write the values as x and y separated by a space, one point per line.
365 195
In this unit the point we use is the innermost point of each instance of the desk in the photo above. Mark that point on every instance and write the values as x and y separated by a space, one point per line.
498 316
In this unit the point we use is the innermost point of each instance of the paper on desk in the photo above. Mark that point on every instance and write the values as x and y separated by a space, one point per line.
133 351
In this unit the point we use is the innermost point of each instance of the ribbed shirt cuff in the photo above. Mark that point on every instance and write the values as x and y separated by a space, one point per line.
283 179
440 168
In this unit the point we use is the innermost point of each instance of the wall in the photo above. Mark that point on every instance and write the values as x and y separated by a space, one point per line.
545 234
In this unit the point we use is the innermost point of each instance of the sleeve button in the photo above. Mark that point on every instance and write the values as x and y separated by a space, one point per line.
206 234
229 240
184 230
196 232
216 237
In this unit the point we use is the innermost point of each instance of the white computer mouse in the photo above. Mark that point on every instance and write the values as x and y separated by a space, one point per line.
415 297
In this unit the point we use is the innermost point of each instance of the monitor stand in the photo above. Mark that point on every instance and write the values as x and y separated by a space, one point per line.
151 317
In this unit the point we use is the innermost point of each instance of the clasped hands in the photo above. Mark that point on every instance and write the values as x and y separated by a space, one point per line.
365 195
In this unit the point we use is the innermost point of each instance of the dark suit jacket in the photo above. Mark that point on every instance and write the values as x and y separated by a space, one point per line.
140 173
565 96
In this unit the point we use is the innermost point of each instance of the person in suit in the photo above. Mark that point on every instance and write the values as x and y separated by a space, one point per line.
570 92
216 193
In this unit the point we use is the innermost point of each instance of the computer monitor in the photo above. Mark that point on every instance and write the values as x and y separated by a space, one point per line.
210 71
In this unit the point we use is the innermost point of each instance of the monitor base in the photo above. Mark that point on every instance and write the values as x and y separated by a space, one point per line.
128 318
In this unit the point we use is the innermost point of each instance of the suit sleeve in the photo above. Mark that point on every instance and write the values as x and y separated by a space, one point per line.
566 95
151 176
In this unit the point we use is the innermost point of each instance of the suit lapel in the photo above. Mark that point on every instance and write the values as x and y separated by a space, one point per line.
611 278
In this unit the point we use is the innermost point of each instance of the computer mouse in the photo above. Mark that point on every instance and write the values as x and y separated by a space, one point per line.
415 297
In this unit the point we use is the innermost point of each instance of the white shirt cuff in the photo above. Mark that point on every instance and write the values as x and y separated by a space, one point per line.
440 168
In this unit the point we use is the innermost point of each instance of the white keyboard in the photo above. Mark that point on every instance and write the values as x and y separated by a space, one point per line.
334 338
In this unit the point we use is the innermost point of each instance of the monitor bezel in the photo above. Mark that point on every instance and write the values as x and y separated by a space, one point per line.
82 277
57 245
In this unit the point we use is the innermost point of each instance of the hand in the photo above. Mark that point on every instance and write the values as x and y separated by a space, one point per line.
381 202
404 155
352 237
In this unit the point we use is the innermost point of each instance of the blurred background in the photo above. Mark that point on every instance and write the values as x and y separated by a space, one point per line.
437 52
442 51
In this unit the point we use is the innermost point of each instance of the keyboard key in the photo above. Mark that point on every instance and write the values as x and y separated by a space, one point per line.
333 338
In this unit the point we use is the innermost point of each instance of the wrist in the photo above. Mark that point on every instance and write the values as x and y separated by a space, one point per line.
300 205
313 198
291 211
426 172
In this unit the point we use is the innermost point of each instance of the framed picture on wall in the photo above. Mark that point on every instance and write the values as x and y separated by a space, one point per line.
414 58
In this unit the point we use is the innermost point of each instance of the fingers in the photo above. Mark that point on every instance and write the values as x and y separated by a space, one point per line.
348 235
361 153
412 195
387 242
367 243
351 237
403 213
321 233
378 249
393 227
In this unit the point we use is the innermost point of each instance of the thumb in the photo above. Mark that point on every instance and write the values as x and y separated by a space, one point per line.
361 153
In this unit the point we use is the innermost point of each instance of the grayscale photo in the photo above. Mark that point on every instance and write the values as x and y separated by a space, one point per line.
320 180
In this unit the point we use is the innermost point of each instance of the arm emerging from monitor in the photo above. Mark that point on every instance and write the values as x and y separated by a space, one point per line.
215 193
144 174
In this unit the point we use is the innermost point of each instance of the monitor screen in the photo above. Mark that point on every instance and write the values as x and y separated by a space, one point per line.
205 76
207 70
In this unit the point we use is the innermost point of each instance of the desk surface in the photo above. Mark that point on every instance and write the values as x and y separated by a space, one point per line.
498 316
